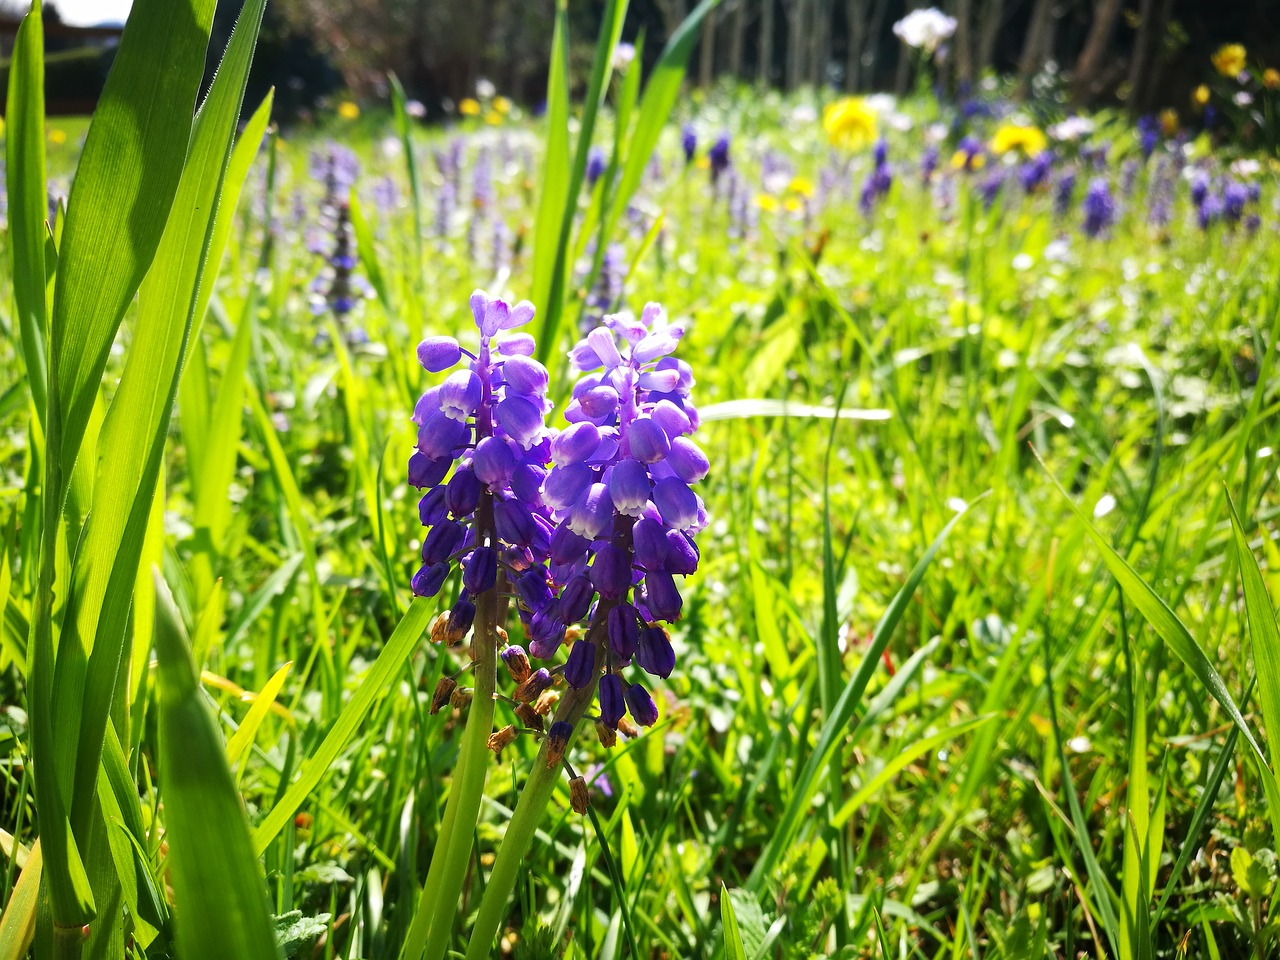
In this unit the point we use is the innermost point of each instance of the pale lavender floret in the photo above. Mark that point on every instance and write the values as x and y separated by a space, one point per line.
629 487
525 375
437 354
460 395
576 443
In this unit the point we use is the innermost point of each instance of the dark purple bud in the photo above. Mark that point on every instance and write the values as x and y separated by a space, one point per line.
558 742
525 375
643 710
461 617
592 513
649 442
612 706
575 598
444 538
517 662
462 493
649 538
493 462
438 353
611 572
546 632
425 472
521 420
576 443
480 572
534 590
661 595
624 630
682 553
432 508
429 579
439 435
687 460
533 686
564 485
514 522
629 487
580 665
653 653
676 502
460 395
567 546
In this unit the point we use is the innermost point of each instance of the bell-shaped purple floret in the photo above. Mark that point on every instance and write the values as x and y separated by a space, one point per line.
460 394
687 460
649 442
567 546
444 538
580 665
564 485
425 472
521 420
612 705
682 553
643 710
611 571
480 572
654 654
629 487
516 345
438 353
661 381
649 539
624 630
514 522
526 483
432 508
463 491
657 344
525 375
575 598
546 632
427 404
439 435
602 342
534 590
671 418
429 579
575 443
676 502
599 402
493 462
661 596
592 513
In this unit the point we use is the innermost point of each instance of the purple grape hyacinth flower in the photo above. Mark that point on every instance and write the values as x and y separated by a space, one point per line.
1099 208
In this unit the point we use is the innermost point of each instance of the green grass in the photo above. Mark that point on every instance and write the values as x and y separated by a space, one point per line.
1011 737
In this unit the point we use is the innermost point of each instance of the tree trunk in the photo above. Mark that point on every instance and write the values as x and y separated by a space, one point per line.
992 21
764 69
737 39
962 43
795 42
856 14
1089 66
872 48
707 65
1143 70
1039 32
819 31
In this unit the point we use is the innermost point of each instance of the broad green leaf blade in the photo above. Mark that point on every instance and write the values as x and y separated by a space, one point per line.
399 646
1166 624
103 579
120 198
28 206
729 920
18 923
836 725
220 900
555 164
243 737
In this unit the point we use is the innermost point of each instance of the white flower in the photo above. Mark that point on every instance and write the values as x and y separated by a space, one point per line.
804 114
1246 168
623 54
415 109
925 29
1243 98
485 89
1071 129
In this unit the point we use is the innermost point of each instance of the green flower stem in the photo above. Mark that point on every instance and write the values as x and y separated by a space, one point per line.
534 796
428 935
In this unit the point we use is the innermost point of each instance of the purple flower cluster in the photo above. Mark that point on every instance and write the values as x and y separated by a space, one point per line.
878 181
1034 173
1099 207
718 157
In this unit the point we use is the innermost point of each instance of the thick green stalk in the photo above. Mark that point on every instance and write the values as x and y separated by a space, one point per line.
534 796
428 935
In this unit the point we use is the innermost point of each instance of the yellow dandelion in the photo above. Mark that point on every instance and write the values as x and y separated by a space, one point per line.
801 186
1271 78
1200 96
57 137
469 107
793 205
1169 121
850 123
1026 140
493 118
767 202
964 160
348 110
1228 60
502 105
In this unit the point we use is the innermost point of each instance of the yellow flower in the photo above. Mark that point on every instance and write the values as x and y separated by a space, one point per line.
1169 121
493 118
1200 96
767 202
348 110
793 205
469 107
502 105
964 160
57 137
850 123
801 186
1271 78
1229 60
1028 141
